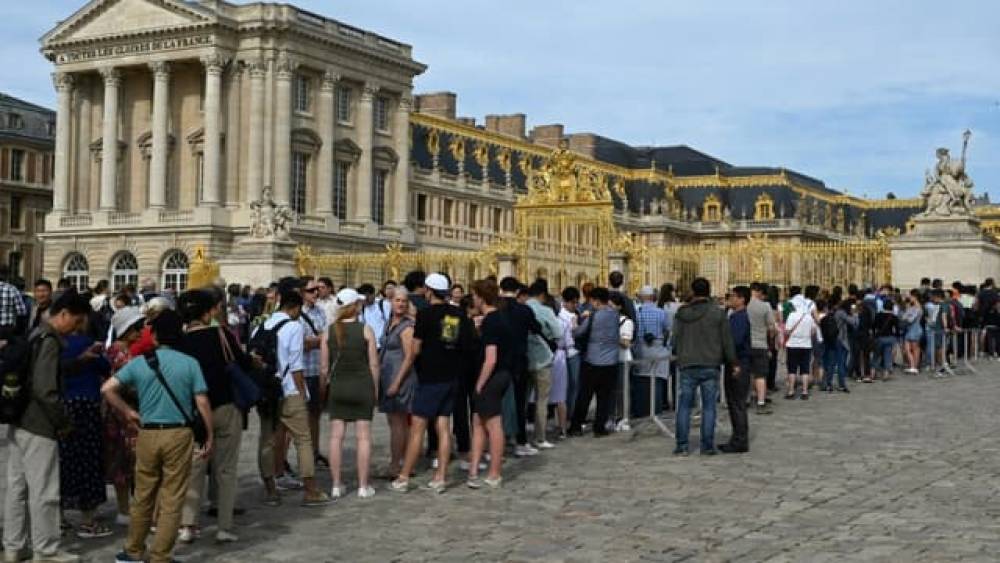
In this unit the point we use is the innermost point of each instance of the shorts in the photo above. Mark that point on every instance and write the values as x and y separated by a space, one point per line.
431 400
760 363
489 403
799 360
313 404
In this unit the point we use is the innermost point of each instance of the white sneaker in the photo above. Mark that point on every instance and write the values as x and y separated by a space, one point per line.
463 466
366 492
546 445
223 536
186 534
525 451
57 557
398 486
336 492
493 483
436 487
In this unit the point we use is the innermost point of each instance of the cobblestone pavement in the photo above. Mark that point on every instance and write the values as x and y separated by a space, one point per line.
905 470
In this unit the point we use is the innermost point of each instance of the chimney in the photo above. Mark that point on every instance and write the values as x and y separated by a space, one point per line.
512 125
470 121
548 135
439 104
584 143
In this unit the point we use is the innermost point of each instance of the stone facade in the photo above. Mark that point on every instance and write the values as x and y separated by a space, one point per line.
27 134
174 116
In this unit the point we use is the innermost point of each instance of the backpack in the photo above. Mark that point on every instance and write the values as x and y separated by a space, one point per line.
828 328
264 345
15 373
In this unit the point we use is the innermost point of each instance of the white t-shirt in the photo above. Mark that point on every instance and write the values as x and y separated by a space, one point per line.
291 341
626 331
570 320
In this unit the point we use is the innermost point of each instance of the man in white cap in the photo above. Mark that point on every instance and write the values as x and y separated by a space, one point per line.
127 318
443 340
653 353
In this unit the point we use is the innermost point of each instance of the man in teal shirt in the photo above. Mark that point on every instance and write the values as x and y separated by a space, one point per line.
165 444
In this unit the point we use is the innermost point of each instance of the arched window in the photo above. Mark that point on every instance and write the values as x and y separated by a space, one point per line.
764 208
77 271
124 271
711 210
175 271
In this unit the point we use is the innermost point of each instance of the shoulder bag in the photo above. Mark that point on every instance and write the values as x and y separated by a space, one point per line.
196 424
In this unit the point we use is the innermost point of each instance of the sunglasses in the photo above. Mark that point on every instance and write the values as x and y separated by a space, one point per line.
311 289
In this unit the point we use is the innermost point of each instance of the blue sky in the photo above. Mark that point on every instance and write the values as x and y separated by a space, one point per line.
857 93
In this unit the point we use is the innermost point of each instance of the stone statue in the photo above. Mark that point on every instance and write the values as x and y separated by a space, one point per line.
269 220
948 190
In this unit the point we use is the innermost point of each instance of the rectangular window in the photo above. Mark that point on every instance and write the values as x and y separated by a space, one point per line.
344 104
340 189
15 213
421 207
17 165
497 219
378 196
381 113
199 180
302 93
300 167
446 216
473 219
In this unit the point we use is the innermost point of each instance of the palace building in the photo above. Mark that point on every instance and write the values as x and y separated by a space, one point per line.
27 135
174 117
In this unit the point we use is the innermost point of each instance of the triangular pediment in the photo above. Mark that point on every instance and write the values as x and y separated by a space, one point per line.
105 18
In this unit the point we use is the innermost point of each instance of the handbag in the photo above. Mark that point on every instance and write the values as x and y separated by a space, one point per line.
246 394
196 424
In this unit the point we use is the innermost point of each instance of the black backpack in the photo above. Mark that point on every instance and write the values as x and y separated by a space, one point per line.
15 373
264 345
828 328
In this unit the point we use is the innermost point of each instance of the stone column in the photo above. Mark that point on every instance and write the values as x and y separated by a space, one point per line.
401 179
255 137
363 123
283 129
83 193
60 180
109 147
234 147
214 64
161 114
324 167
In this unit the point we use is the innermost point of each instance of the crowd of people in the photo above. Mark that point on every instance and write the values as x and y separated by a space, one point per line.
151 392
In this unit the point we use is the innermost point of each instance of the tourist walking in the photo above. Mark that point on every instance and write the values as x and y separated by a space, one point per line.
349 369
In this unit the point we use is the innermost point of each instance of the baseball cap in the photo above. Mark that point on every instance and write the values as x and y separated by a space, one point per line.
436 282
348 296
647 291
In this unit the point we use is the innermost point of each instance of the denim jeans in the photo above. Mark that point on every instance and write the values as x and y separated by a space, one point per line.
933 342
886 345
707 380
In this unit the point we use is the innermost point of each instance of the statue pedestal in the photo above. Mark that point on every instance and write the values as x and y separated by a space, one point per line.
950 248
258 262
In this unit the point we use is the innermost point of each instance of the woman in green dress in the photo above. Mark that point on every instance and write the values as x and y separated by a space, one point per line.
349 370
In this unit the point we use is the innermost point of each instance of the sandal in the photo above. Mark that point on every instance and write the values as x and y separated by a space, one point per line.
91 531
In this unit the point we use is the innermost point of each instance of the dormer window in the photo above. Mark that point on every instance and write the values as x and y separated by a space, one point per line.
764 208
711 211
